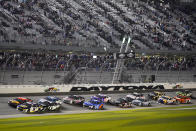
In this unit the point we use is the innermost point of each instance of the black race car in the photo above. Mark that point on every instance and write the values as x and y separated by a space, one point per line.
141 102
155 95
74 99
121 102
30 107
135 96
17 101
49 105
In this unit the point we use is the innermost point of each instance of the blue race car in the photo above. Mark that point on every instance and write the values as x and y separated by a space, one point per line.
102 97
94 104
54 99
96 98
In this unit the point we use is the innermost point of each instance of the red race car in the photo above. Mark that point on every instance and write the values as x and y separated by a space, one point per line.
19 100
183 99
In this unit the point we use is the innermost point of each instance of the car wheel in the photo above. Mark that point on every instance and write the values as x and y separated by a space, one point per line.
28 111
58 109
91 107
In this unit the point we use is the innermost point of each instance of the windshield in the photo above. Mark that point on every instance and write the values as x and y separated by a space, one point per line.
143 100
95 102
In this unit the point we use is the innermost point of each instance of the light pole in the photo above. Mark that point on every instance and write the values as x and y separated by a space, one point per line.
43 70
5 67
91 60
180 70
158 68
101 69
25 69
56 68
67 65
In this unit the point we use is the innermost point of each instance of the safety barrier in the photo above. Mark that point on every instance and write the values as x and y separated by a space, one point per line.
37 90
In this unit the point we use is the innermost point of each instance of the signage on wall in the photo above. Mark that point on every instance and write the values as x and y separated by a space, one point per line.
117 88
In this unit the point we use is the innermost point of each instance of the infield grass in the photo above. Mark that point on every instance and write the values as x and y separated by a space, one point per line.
148 119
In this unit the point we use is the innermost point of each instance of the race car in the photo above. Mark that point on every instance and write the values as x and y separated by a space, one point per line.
17 101
51 89
94 104
167 100
121 102
30 107
104 98
74 99
183 99
177 86
141 102
155 95
184 93
49 105
187 93
54 99
135 96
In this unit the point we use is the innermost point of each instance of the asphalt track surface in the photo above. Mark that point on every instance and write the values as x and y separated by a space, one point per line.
10 112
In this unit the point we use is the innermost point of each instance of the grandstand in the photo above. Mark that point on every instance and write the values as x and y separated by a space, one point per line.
54 41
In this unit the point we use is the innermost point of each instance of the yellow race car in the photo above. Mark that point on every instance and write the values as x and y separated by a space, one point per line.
167 100
51 89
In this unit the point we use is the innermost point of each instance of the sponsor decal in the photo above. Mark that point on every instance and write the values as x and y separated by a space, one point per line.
117 88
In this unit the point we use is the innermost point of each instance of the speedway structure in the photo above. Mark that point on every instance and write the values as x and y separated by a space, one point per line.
95 27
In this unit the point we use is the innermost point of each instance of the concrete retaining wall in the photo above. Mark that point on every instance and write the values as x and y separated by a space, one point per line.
6 89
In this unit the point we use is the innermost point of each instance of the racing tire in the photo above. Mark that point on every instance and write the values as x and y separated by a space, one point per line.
39 111
140 104
58 109
188 102
44 109
28 111
91 107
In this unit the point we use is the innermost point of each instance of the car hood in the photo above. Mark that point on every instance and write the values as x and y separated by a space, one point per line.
88 103
21 106
14 101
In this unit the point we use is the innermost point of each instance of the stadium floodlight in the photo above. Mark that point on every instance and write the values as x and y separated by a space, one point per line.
105 48
123 40
94 57
129 40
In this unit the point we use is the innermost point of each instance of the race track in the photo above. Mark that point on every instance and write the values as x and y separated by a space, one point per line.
9 112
